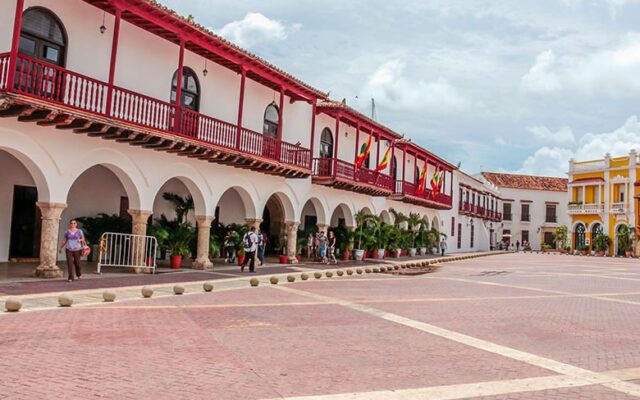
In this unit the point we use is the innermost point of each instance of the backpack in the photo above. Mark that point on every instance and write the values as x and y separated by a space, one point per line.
246 241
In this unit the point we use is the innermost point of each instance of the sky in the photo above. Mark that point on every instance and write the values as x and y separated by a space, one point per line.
509 86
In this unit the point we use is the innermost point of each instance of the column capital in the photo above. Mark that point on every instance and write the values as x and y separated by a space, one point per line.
252 221
322 227
139 215
292 225
204 221
51 211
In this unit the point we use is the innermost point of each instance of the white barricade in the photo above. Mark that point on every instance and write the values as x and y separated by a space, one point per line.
125 250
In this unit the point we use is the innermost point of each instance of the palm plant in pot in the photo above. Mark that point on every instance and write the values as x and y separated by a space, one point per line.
414 223
362 219
177 243
601 243
383 236
422 237
624 238
344 241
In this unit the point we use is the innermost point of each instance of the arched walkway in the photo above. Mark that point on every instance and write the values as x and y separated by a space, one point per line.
277 211
235 206
313 214
385 216
342 214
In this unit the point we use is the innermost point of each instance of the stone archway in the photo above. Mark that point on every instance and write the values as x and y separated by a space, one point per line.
342 214
277 216
386 217
313 216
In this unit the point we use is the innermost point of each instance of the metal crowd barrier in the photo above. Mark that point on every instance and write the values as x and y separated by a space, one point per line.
124 250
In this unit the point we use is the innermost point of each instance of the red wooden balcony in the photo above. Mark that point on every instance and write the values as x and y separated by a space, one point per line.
407 192
51 95
343 175
465 208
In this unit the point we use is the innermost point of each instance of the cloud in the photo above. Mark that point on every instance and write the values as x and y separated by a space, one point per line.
255 28
563 135
553 161
389 86
610 71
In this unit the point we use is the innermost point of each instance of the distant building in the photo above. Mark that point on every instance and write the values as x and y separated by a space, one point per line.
602 198
532 207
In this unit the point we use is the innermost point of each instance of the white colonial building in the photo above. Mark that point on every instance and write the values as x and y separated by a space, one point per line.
91 125
532 207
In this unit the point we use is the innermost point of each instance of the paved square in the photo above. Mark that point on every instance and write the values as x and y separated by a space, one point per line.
515 326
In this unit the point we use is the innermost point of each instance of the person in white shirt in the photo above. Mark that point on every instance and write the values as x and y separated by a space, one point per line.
443 247
250 243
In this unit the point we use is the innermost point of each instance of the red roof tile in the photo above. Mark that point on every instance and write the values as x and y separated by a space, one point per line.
529 182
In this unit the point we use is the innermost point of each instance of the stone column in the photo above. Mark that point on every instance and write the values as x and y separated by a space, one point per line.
292 238
204 232
253 222
51 213
139 220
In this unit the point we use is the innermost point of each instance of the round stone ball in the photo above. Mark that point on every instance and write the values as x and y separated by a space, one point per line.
359 271
376 270
109 296
329 274
207 286
304 276
274 280
254 282
396 267
147 292
291 278
349 272
12 304
65 300
178 289
367 270
339 272
317 275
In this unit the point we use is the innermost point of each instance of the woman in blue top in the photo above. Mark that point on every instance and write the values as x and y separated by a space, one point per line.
73 243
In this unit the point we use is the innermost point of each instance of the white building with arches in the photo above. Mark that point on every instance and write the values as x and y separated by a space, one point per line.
91 124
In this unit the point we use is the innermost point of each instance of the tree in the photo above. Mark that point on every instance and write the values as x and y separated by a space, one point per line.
560 236
181 205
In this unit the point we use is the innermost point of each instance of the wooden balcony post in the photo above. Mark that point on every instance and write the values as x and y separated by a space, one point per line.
357 142
15 42
112 64
377 149
179 87
243 78
404 166
313 132
280 124
392 163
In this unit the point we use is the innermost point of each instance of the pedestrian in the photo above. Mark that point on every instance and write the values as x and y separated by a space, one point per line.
73 243
443 247
332 248
322 248
310 242
316 246
517 245
230 247
250 243
261 245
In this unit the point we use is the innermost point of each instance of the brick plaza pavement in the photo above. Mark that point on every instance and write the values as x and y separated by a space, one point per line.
514 326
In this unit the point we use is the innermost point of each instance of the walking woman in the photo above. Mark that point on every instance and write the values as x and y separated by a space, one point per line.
73 244
331 256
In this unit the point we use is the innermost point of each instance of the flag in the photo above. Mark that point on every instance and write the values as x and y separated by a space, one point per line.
422 181
436 183
385 160
364 152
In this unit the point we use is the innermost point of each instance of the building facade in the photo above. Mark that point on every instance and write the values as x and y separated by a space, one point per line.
602 197
474 223
108 104
532 207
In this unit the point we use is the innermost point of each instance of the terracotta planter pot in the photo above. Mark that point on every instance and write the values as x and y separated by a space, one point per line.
283 259
627 253
583 253
299 258
241 259
346 255
176 262
600 254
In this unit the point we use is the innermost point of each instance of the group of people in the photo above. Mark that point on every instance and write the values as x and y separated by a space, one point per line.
253 243
323 247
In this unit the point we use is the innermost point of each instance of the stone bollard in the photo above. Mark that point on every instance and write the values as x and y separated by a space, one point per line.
367 270
396 267
376 270
349 272
329 274
12 304
207 286
254 282
274 280
65 300
291 278
109 296
304 276
339 272
178 289
317 275
359 271
147 292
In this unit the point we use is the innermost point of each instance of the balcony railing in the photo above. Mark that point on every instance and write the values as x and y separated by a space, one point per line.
54 84
618 208
585 208
331 167
411 189
477 211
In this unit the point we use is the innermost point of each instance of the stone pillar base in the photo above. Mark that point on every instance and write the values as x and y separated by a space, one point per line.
293 260
48 271
205 265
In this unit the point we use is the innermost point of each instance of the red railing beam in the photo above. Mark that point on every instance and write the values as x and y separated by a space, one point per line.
15 42
112 63
313 130
335 147
243 77
176 126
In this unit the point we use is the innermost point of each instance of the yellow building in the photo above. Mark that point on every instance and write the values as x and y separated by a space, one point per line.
602 198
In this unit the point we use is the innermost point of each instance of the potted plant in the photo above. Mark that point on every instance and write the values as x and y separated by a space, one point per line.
241 255
624 237
283 258
177 243
545 247
361 218
560 236
601 243
582 249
